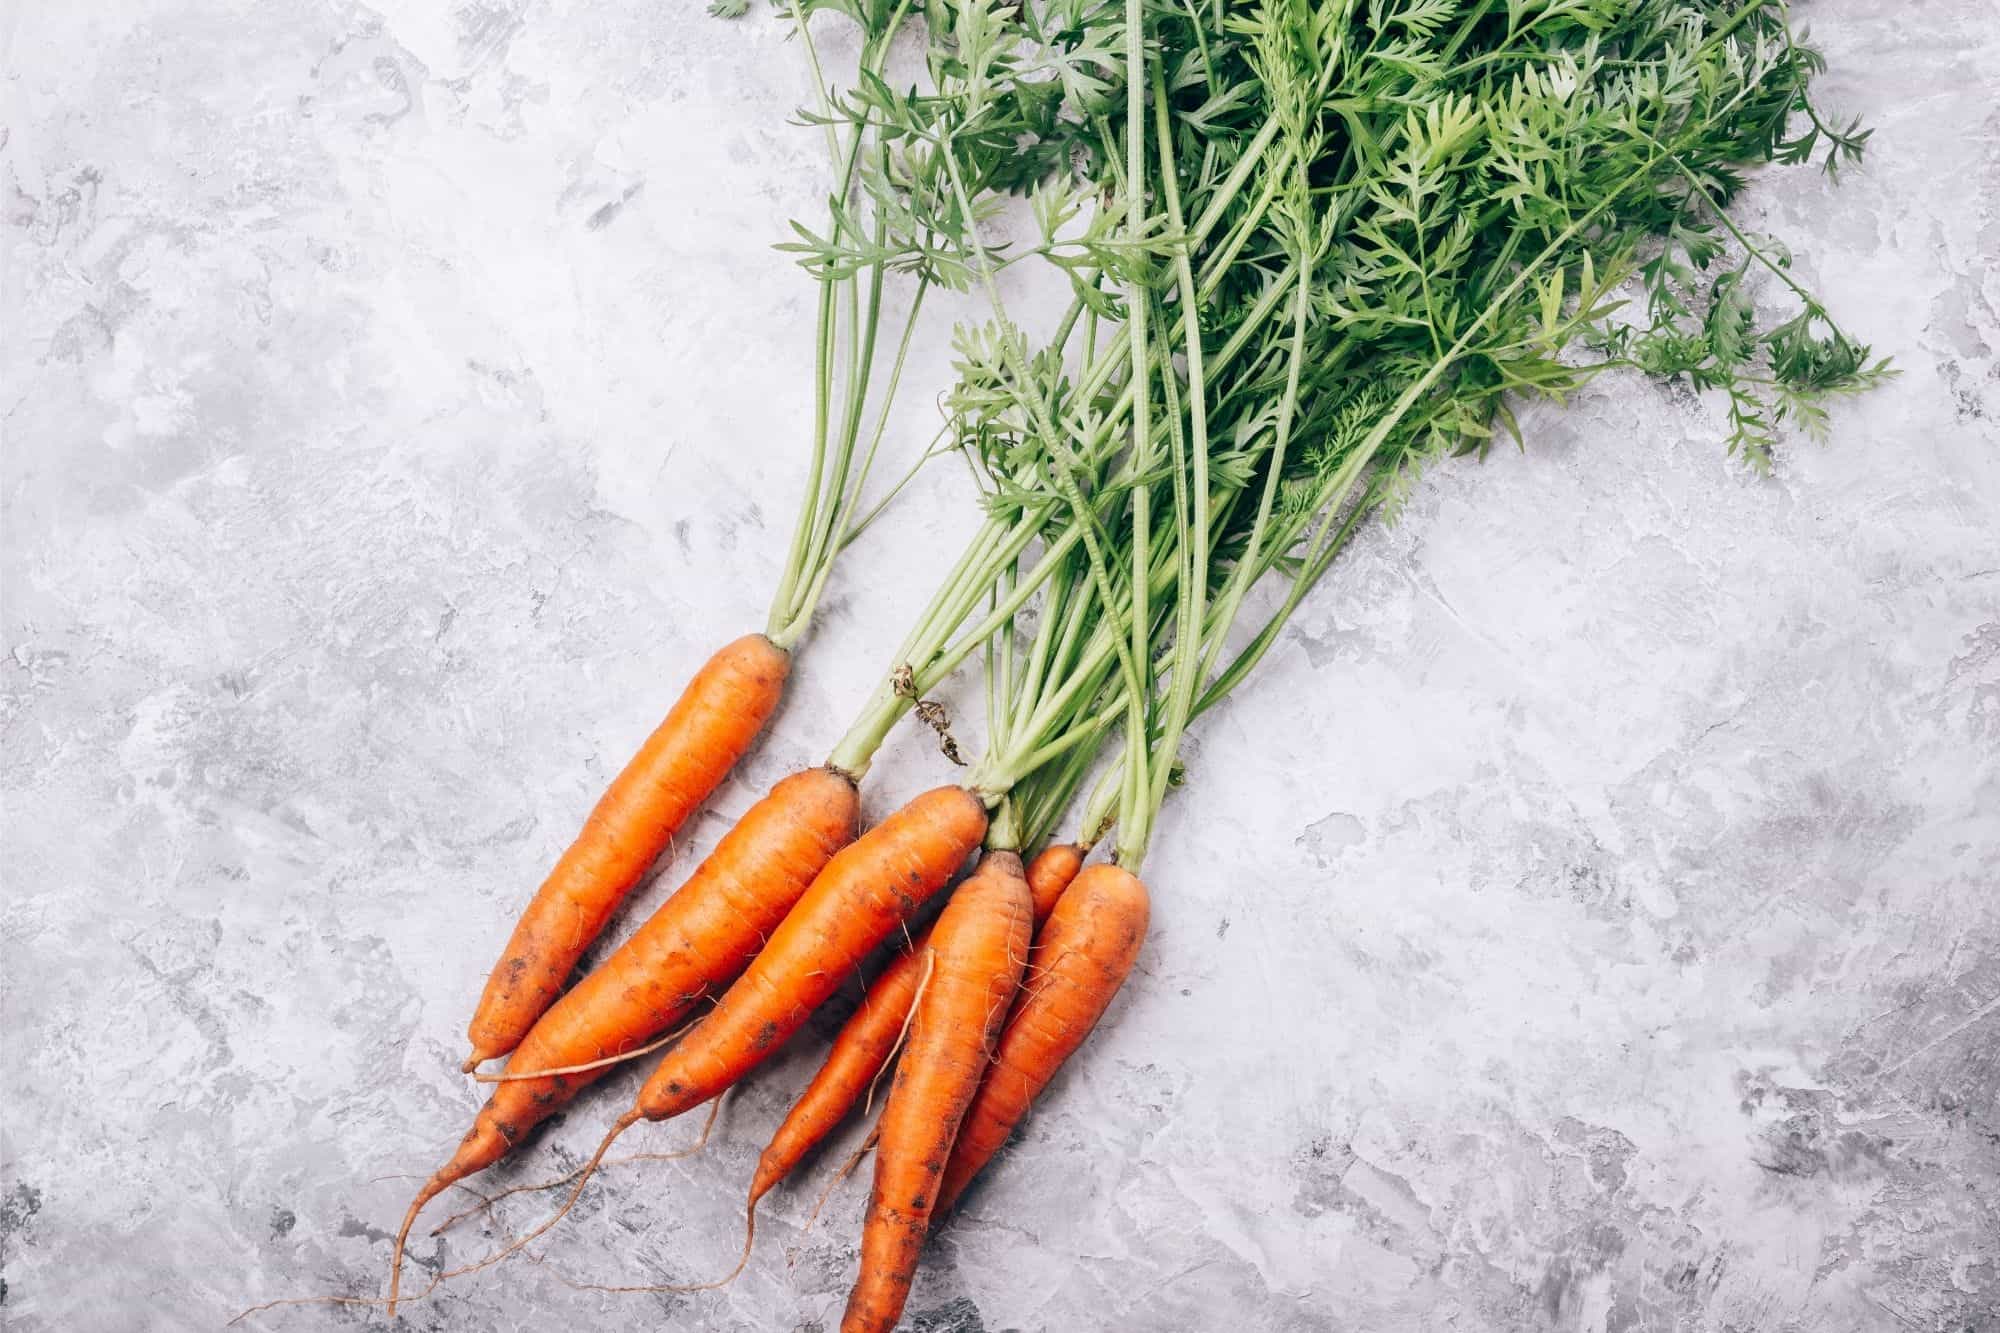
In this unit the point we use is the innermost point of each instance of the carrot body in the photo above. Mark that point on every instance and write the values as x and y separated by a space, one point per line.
698 939
1083 956
867 890
863 1046
974 963
1049 874
704 734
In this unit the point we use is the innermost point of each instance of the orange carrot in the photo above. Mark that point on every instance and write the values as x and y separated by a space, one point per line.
856 1058
1049 874
705 733
867 890
974 963
698 939
1083 956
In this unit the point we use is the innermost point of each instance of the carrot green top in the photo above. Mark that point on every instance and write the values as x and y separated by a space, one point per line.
1313 247
1340 240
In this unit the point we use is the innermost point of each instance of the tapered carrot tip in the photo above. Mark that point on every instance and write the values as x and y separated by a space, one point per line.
433 1187
482 1146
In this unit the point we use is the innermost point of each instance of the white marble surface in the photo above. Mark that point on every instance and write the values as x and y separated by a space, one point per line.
1587 921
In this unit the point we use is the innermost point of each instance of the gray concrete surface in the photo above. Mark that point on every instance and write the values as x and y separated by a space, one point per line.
1587 921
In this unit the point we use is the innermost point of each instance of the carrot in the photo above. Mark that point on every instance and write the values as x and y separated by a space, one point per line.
866 891
1083 956
699 938
975 958
857 1055
870 887
704 734
1049 874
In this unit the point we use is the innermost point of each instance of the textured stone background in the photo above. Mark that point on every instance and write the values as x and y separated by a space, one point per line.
1588 920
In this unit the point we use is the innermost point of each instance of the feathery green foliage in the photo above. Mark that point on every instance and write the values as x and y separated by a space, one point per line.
1312 248
1398 219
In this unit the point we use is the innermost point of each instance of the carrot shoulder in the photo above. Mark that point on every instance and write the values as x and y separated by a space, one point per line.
1083 956
704 734
972 968
698 939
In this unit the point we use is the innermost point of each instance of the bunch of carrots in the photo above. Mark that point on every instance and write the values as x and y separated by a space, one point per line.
1311 249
